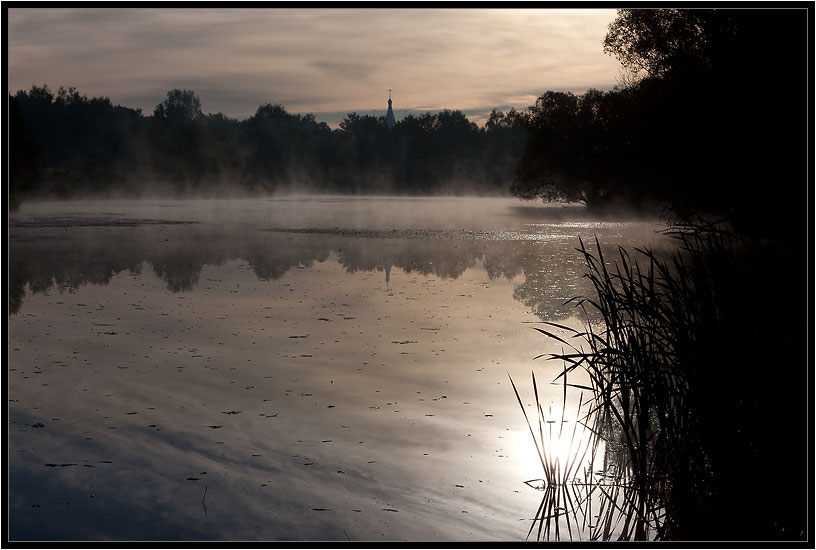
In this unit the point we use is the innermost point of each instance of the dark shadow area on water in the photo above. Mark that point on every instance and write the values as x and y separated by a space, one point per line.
53 510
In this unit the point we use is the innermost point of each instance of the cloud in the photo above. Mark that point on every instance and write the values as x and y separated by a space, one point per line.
312 60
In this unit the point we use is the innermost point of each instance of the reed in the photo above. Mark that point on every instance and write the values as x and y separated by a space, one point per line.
582 501
559 467
661 375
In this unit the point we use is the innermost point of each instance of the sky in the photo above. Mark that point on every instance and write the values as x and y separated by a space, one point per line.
324 61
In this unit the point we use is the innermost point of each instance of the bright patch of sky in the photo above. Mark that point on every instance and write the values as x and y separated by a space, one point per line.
313 60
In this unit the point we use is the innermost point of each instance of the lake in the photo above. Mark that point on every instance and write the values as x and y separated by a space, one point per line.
296 368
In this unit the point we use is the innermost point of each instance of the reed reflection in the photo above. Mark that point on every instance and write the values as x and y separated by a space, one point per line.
590 486
600 510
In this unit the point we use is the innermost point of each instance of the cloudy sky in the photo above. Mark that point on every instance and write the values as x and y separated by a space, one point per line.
323 61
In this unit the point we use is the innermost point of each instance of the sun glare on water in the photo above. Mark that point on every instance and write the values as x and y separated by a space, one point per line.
566 451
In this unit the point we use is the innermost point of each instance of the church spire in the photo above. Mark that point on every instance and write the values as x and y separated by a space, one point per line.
389 116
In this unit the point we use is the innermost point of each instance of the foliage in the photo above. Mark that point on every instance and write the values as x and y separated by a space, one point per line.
655 42
709 120
23 156
179 107
67 144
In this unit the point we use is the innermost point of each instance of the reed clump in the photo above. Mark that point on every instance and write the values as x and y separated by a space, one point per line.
589 493
679 368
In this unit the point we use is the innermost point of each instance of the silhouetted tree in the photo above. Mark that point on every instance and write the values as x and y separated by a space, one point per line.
179 106
284 148
186 153
86 145
655 42
89 145
716 140
692 127
504 138
364 149
24 156
574 144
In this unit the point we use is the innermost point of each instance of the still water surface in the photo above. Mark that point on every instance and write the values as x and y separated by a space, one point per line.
287 369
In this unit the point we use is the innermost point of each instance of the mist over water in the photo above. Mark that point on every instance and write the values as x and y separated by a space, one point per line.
293 368
300 211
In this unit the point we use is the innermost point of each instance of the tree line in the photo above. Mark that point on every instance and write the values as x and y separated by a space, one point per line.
65 144
710 119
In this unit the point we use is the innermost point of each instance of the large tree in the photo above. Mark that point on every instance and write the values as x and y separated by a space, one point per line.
709 120
654 42
577 149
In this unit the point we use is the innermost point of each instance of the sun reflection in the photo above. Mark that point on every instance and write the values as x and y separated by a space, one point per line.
565 448
524 451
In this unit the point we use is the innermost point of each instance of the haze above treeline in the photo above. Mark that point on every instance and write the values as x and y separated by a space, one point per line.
708 119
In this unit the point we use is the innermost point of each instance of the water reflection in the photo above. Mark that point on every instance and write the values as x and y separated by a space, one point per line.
42 260
318 384
602 502
589 486
598 510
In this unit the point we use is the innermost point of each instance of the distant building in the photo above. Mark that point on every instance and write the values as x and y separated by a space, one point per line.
389 116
